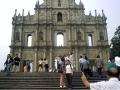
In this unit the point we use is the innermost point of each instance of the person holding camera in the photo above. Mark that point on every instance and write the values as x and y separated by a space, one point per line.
112 83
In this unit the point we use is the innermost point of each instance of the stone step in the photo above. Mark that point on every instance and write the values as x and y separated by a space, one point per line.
36 83
40 74
46 89
49 88
26 86
40 81
44 78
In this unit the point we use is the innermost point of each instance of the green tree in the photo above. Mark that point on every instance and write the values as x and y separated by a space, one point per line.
115 43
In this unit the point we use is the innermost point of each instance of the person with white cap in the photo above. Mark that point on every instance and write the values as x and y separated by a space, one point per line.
117 62
113 82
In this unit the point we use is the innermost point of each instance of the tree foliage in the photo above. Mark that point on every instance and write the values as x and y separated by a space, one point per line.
115 43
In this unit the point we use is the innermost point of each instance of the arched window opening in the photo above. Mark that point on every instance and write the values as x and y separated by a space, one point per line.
101 36
29 40
79 36
90 40
60 39
40 35
17 36
59 17
59 3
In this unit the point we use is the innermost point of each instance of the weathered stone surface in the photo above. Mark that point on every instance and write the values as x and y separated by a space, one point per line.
54 17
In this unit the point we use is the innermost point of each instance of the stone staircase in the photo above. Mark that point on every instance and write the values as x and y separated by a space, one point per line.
39 81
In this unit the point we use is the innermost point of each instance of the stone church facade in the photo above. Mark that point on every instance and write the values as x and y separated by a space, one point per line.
82 34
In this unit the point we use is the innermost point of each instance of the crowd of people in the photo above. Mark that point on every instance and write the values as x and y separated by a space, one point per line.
65 66
12 64
87 68
43 65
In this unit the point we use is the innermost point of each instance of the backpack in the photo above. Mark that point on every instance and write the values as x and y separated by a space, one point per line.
60 67
85 65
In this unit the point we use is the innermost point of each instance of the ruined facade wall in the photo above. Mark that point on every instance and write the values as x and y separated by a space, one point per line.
48 21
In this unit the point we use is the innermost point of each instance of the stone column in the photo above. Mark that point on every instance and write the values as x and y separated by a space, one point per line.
12 40
45 34
106 35
21 40
36 37
21 63
51 36
50 62
69 33
20 53
36 50
75 35
13 36
76 59
36 61
44 55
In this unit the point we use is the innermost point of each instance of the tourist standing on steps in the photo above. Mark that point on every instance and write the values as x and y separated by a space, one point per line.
8 64
89 66
25 68
81 60
28 66
16 66
99 65
69 74
40 65
85 67
61 70
46 65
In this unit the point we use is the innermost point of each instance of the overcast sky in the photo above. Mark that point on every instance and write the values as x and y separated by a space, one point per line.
7 8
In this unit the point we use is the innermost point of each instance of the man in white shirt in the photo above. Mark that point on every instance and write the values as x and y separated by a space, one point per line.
113 82
81 61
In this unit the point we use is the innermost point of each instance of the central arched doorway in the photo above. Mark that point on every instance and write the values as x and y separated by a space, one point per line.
60 39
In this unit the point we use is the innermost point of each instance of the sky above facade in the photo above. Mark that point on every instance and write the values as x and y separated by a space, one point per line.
7 8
